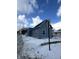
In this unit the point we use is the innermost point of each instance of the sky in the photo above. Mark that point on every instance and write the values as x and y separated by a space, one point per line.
32 12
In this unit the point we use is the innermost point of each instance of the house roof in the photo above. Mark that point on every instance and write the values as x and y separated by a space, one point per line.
45 21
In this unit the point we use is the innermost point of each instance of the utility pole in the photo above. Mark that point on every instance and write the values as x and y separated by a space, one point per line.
49 34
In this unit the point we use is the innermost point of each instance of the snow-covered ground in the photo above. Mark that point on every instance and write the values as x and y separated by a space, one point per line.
33 50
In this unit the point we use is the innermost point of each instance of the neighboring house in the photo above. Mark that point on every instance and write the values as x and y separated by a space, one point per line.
57 33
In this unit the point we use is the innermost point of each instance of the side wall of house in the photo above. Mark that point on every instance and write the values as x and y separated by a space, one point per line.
41 31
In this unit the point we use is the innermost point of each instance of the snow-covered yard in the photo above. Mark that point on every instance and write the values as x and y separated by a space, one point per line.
33 50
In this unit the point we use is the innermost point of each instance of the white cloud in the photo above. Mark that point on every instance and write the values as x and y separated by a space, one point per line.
59 1
21 17
41 11
36 21
56 26
22 22
59 12
34 3
26 6
47 1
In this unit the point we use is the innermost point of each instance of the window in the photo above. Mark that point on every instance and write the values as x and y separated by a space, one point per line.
43 32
